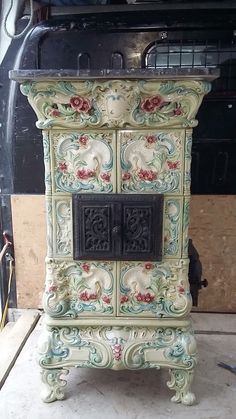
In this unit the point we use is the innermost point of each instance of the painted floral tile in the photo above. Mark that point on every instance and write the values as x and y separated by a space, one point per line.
79 288
151 161
154 289
83 161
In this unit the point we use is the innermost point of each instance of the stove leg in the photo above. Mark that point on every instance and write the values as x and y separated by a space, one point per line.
53 385
180 382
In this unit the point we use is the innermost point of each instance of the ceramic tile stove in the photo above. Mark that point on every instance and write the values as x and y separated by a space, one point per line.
117 152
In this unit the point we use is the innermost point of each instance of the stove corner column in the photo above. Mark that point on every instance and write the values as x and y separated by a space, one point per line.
117 157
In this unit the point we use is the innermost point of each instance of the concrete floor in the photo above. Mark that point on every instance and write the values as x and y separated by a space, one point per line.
96 394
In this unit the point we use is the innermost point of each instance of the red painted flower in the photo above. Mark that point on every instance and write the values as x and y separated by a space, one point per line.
93 296
106 177
52 288
151 104
62 166
181 290
146 298
126 176
178 111
149 266
85 173
117 351
173 165
55 113
80 104
124 299
147 175
151 139
147 105
83 140
85 267
84 296
106 299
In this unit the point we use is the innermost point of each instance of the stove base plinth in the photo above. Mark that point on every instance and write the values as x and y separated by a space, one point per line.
117 348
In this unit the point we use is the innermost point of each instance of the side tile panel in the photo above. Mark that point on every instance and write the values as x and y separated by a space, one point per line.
187 162
62 214
154 289
172 226
83 161
151 161
47 163
75 289
186 210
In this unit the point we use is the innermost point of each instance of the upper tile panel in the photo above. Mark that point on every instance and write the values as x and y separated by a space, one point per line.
115 103
83 161
151 161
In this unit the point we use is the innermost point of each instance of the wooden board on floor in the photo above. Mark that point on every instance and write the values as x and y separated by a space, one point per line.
29 232
13 339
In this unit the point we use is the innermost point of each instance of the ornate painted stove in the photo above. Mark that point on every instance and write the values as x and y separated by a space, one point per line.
117 151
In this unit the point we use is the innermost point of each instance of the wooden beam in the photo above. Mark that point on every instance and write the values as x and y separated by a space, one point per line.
13 339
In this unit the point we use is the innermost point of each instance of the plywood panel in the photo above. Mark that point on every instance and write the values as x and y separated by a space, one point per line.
213 230
29 232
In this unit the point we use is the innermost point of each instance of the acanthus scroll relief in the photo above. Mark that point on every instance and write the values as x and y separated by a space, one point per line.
115 103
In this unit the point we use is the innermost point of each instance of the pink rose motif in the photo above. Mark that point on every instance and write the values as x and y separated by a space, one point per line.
157 101
149 266
148 175
151 139
173 165
147 105
106 177
55 113
117 351
52 288
178 111
126 176
93 296
80 104
146 298
85 174
181 290
84 296
151 104
124 299
62 166
85 267
106 299
83 140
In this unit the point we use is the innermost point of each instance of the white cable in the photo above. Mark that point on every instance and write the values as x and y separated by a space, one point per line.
26 28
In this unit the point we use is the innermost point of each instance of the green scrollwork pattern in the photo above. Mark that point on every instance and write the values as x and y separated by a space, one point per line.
180 382
115 103
154 289
151 161
79 288
83 162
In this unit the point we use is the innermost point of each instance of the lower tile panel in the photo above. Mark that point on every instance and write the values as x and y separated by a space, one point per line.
94 288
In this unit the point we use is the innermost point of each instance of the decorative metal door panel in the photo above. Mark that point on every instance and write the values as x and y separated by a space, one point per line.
83 161
158 289
117 226
60 239
80 288
151 161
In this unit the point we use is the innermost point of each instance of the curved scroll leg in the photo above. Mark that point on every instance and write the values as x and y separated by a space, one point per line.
53 385
180 381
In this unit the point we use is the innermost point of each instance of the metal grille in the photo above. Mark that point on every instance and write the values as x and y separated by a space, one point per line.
191 54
